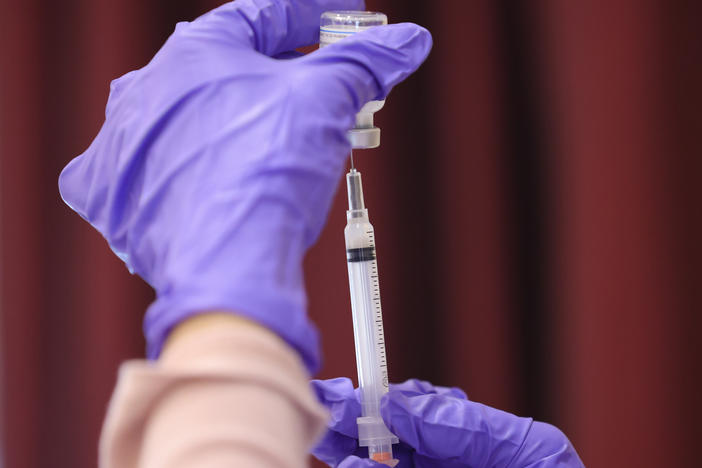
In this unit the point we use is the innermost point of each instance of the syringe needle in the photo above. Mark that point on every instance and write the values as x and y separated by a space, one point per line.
352 159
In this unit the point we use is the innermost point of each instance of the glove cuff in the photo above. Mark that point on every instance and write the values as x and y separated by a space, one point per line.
290 324
253 268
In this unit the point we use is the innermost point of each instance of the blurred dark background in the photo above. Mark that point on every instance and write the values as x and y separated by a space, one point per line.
536 202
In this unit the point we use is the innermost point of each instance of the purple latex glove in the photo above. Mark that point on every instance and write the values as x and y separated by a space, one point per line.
216 165
439 427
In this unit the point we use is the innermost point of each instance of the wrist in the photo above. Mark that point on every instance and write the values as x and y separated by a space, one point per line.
253 268
204 323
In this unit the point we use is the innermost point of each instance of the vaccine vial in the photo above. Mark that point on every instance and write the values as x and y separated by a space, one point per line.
334 27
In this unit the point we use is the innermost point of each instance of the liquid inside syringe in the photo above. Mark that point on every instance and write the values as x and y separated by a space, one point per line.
371 359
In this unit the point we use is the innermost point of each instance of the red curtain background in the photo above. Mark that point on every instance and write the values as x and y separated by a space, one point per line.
552 150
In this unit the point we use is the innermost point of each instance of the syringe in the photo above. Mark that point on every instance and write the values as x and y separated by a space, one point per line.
364 284
371 360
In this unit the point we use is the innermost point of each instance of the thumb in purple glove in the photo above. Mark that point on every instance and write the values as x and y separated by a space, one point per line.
445 431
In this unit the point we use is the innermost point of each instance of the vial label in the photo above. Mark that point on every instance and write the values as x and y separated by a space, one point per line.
327 36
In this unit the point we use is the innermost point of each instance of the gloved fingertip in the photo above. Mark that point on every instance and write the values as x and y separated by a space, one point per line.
397 50
72 194
546 441
395 413
410 38
415 387
338 389
373 61
457 393
339 397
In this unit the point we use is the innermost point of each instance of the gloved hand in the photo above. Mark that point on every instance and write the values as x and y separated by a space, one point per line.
216 165
439 427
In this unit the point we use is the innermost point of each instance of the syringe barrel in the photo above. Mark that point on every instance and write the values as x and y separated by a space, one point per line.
367 318
369 336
